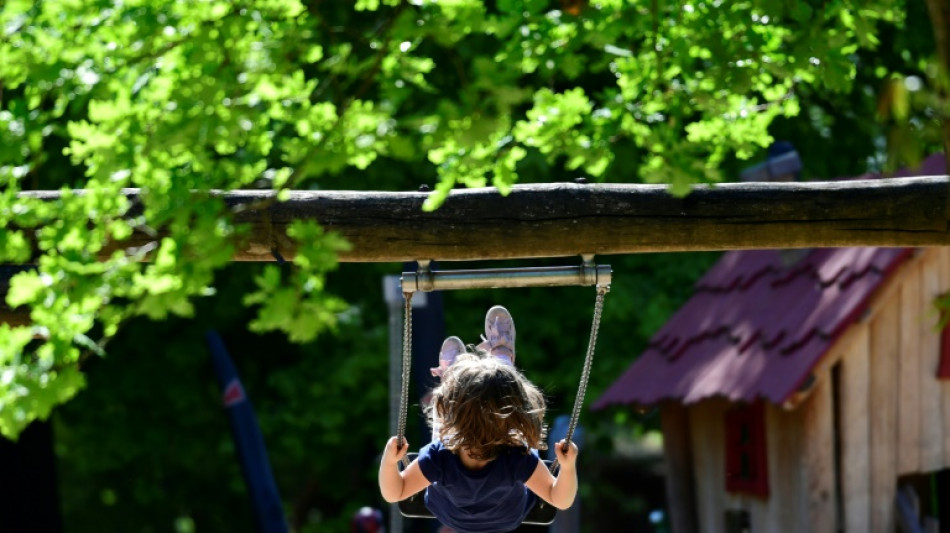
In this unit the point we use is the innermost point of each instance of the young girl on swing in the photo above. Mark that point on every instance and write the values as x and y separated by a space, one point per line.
481 472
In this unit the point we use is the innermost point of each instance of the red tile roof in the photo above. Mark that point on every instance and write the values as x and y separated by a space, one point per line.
755 326
758 322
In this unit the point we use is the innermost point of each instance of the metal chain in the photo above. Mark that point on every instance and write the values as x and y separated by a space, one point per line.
406 364
602 291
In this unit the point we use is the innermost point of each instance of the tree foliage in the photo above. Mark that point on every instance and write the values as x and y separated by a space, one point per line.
147 446
181 99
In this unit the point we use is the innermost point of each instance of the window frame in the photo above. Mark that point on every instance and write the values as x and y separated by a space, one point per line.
746 452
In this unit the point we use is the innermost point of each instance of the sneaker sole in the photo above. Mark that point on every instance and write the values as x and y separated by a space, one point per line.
500 311
451 342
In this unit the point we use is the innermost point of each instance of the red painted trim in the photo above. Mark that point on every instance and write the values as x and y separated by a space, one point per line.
943 369
746 453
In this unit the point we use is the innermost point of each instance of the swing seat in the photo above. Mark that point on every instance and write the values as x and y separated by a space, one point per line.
542 514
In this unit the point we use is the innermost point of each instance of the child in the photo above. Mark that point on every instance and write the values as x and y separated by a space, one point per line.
481 472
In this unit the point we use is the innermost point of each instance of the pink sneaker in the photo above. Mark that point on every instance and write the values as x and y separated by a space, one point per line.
499 337
451 348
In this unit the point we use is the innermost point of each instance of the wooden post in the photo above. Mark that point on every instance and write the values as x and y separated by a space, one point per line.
680 484
943 272
395 303
819 457
707 440
882 411
909 415
931 404
855 432
783 442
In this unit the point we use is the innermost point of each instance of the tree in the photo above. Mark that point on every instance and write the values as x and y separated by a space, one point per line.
184 98
146 446
179 98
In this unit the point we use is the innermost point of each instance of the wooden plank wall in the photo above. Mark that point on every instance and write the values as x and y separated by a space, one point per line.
708 435
894 413
818 506
882 410
855 430
784 437
801 480
785 506
932 320
909 407
680 482
893 419
931 392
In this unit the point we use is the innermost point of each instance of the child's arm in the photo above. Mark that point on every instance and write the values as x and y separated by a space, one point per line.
395 485
558 491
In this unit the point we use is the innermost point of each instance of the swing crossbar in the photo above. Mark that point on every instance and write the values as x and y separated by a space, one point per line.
426 280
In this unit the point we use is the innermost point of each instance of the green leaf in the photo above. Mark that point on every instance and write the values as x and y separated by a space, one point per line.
25 288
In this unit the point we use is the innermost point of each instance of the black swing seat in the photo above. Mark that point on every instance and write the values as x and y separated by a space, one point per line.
542 514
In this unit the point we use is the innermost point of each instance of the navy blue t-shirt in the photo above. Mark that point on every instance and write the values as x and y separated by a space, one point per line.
491 499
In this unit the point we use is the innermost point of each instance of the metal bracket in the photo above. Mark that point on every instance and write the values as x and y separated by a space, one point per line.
425 279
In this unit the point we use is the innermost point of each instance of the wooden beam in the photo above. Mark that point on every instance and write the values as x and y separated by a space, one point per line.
567 219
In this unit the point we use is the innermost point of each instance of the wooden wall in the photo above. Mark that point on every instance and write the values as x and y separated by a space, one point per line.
800 499
889 371
891 412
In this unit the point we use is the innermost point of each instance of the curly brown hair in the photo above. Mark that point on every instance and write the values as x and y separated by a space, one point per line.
486 405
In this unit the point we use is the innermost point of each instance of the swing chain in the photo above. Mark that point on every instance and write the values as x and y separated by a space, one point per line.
406 364
602 291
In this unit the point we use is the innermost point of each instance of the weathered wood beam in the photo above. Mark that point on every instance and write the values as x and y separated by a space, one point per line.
567 219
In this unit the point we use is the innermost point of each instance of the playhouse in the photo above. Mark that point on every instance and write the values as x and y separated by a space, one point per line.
800 389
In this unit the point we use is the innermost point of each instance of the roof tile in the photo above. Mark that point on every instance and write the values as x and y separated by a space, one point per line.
755 328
